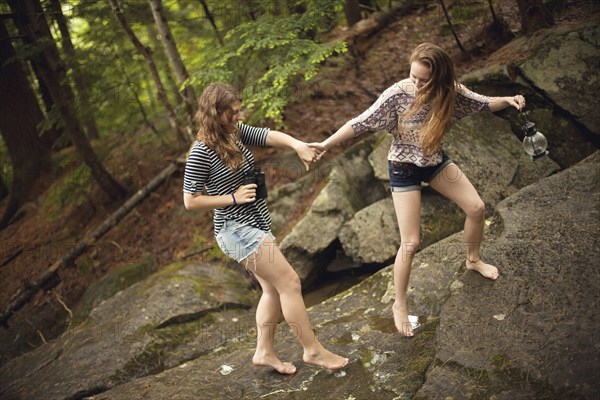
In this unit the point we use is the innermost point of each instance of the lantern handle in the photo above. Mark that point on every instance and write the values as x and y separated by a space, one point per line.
523 117
527 126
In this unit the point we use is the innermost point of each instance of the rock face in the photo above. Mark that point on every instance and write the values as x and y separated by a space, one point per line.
349 187
557 71
371 236
142 329
526 335
536 328
492 158
572 86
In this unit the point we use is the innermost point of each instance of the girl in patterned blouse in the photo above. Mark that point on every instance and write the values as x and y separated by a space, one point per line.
418 112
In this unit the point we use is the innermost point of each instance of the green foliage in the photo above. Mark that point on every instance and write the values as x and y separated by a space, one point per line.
118 79
266 57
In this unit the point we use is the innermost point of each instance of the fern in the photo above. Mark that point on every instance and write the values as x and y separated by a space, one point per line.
266 57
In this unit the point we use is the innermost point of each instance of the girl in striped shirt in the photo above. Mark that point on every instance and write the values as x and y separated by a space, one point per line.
216 165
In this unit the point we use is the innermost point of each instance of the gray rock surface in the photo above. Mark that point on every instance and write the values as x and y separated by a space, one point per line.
565 68
114 281
130 334
349 187
534 332
492 158
356 323
372 235
285 202
526 335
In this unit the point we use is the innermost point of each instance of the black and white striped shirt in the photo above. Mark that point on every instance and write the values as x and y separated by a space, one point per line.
205 170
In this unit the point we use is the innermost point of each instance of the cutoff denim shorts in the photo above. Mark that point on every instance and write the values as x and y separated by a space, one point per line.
239 241
406 177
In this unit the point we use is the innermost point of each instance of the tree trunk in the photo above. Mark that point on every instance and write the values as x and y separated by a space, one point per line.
21 115
162 63
83 94
51 136
499 31
31 22
352 12
147 54
134 93
173 55
211 19
3 189
534 16
460 46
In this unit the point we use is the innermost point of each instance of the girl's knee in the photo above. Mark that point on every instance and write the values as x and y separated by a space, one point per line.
294 282
409 247
476 210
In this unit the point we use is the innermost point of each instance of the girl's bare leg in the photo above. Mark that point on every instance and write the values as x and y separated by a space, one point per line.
268 315
273 269
408 212
453 184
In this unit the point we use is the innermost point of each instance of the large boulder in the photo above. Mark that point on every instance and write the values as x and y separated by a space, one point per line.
530 334
349 187
295 187
492 158
534 332
114 281
152 325
357 323
555 68
372 235
565 68
566 144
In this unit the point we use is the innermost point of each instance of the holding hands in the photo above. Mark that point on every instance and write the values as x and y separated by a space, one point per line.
309 153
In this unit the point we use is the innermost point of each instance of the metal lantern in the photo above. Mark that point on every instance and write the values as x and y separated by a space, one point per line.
535 142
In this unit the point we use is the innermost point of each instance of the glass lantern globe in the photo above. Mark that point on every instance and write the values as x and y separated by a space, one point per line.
535 142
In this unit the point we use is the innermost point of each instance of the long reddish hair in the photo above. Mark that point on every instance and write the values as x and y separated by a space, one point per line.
439 92
216 100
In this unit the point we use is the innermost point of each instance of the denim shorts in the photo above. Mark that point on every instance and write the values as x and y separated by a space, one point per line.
406 177
239 241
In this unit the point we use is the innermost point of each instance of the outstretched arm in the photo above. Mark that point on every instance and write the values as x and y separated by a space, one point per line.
344 133
282 140
500 103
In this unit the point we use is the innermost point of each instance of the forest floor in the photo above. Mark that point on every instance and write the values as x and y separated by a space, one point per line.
346 85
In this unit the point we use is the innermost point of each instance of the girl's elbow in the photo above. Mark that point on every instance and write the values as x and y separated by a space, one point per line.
188 203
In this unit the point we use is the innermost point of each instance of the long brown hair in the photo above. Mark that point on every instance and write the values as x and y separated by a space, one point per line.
217 99
439 92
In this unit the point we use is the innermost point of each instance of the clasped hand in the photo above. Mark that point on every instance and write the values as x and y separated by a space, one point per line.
309 153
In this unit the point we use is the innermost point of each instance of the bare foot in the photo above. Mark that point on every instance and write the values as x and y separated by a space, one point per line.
403 325
326 359
487 270
285 368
